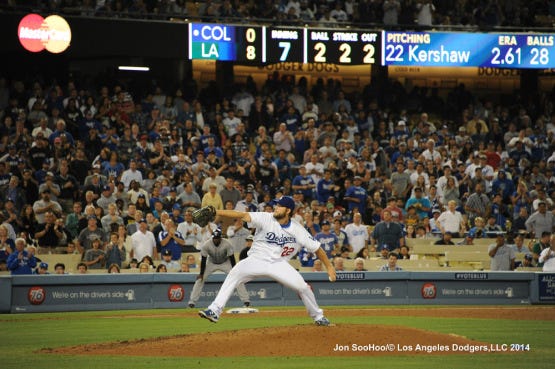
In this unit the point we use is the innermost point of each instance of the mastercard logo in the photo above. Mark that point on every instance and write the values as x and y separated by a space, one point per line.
37 33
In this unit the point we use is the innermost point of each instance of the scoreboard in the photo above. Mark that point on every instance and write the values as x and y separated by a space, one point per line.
268 44
262 44
452 49
225 43
342 47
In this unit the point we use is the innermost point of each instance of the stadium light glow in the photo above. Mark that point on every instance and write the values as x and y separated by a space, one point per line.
133 68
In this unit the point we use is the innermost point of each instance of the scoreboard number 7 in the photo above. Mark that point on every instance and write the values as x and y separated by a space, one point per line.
286 46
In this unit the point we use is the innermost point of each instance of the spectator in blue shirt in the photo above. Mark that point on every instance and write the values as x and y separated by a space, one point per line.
21 261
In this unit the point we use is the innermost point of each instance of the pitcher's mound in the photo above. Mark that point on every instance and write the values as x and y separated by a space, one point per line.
299 340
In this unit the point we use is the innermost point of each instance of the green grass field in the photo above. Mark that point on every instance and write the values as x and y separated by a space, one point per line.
24 334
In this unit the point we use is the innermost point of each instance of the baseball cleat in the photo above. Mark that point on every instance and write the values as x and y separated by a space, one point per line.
210 315
323 321
191 306
247 304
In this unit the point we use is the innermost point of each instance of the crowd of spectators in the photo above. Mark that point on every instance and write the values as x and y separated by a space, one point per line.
389 13
81 163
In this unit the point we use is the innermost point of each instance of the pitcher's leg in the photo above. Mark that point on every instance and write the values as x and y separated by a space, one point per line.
241 289
285 274
241 273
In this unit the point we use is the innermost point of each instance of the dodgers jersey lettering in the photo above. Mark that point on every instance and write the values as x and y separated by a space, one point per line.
272 242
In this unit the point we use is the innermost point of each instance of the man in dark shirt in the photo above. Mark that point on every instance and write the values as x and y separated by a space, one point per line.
49 234
445 240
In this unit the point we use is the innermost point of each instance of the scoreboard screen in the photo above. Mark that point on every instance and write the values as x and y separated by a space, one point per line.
225 43
285 45
268 45
342 47
451 49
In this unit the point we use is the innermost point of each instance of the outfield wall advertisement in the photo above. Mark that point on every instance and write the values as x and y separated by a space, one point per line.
145 291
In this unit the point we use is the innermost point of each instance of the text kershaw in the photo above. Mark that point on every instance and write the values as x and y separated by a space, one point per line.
438 56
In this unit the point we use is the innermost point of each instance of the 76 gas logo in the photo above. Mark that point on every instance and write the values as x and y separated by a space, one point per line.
176 293
36 295
429 291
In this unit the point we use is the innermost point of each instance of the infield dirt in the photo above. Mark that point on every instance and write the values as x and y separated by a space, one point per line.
310 340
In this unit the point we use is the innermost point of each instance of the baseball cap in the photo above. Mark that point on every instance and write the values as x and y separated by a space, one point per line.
217 233
325 222
143 220
176 206
106 188
49 174
287 202
167 252
43 265
141 195
528 257
250 238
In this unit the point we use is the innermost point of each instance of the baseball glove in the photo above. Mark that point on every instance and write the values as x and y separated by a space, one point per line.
204 215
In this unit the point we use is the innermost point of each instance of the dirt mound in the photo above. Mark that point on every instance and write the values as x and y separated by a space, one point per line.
299 340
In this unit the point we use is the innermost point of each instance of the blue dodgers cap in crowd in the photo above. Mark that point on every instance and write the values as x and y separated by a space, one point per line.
287 202
43 265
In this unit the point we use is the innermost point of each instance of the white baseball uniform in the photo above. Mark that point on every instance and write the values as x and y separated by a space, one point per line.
269 256
217 258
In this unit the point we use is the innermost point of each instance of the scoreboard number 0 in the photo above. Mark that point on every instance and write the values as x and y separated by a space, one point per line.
250 35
